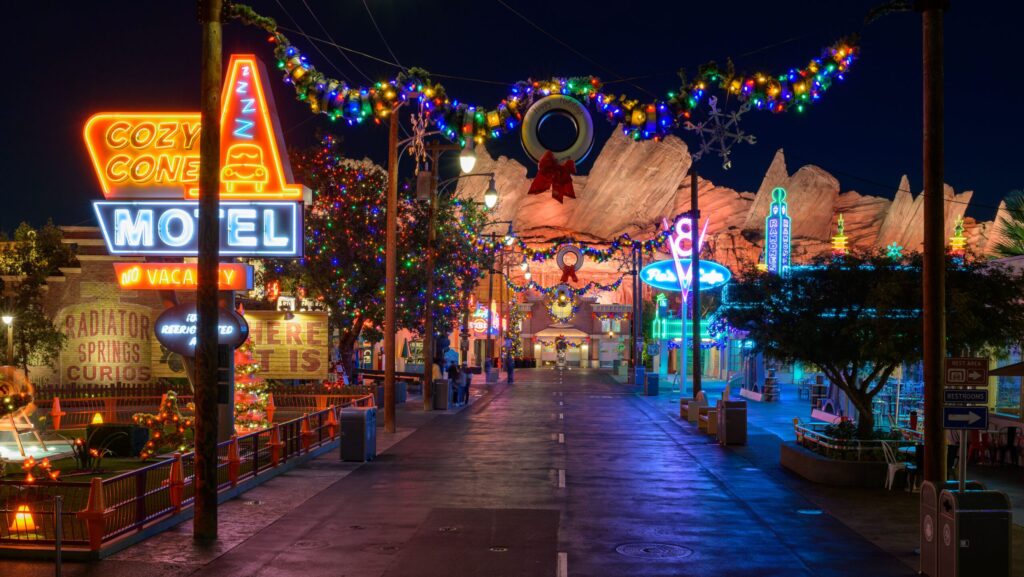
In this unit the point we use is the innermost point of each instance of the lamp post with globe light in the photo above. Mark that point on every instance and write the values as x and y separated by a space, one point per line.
9 321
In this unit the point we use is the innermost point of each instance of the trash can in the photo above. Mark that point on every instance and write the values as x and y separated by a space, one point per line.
638 375
358 434
442 394
974 534
732 422
928 526
651 385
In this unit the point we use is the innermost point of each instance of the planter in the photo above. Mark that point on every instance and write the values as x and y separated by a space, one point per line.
838 473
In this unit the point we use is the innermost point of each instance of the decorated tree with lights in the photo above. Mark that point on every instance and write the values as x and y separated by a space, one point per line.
515 330
169 430
251 394
858 318
343 265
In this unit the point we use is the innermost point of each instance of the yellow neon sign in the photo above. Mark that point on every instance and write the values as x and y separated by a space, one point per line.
156 155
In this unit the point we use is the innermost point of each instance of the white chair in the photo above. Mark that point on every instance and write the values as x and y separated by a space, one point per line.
893 463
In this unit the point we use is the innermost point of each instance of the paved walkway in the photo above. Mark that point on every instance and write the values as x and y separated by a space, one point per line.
560 473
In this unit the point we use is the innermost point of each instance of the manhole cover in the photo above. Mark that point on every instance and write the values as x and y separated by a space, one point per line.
498 549
447 529
809 511
388 548
309 544
253 502
653 550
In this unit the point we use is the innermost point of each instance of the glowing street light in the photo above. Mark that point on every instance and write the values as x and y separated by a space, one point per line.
467 158
491 195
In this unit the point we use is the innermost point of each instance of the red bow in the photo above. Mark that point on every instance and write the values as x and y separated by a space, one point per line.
557 177
569 271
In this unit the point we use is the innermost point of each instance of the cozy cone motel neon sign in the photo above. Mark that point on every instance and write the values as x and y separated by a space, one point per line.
148 168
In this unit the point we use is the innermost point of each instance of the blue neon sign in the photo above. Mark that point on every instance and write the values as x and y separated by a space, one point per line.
170 228
662 274
777 234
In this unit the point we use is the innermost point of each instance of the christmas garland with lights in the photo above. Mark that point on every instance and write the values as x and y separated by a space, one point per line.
568 344
576 292
458 121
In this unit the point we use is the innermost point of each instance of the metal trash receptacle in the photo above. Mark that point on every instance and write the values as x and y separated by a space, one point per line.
929 521
651 385
974 534
732 422
638 375
358 434
442 394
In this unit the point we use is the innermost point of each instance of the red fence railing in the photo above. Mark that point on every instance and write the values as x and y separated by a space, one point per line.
97 512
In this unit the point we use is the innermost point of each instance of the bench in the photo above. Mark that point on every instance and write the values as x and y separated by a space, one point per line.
707 420
689 408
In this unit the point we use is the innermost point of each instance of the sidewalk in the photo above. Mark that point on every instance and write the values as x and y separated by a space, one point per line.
888 519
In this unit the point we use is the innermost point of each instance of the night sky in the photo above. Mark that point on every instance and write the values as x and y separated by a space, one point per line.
68 60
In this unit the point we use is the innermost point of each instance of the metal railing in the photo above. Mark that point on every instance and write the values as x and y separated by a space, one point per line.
101 510
813 437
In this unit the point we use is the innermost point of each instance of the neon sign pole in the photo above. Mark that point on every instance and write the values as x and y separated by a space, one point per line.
685 230
777 234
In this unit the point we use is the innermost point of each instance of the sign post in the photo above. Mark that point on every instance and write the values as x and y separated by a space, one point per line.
965 408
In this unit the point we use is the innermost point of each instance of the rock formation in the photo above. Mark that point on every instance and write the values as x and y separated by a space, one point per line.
633 186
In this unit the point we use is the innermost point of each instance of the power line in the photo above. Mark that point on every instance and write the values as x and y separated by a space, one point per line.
381 34
569 47
324 30
301 31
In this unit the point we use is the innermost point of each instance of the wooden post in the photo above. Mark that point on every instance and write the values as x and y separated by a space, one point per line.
695 282
934 263
428 299
205 523
390 266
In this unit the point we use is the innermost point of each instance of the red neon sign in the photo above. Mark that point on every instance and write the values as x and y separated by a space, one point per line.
179 276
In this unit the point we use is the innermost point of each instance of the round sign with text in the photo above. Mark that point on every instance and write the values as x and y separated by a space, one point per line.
176 328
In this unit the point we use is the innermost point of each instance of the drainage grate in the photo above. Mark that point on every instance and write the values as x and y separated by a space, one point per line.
447 529
498 549
653 550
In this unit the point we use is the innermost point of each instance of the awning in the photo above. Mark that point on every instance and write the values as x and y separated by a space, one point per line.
1014 370
567 332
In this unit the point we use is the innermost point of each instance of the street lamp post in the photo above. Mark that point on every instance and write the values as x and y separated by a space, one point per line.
9 321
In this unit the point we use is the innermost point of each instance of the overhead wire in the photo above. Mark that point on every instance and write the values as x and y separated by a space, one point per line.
328 34
317 48
381 34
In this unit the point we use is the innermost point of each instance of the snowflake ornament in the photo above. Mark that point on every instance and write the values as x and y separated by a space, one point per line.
720 132
894 251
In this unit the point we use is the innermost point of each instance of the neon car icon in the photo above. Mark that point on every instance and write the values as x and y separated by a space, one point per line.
244 165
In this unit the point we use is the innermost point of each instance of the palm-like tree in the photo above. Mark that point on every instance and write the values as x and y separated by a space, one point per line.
1011 227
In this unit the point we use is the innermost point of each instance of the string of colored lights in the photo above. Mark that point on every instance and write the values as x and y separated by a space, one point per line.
794 89
575 292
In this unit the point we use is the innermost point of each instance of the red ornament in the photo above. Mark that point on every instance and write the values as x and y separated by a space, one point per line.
554 176
569 271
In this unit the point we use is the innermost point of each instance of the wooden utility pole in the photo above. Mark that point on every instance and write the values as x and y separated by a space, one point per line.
694 280
428 299
204 528
933 270
390 271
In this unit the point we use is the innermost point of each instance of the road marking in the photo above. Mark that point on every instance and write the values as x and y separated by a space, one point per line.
563 564
560 403
561 438
561 478
561 415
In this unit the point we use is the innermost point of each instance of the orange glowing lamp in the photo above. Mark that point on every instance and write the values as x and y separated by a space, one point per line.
23 520
97 419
